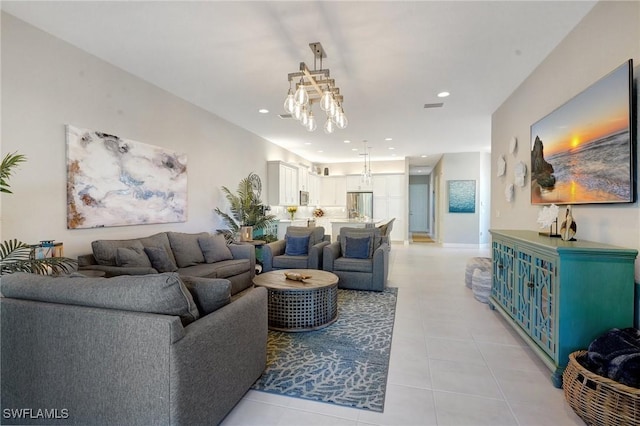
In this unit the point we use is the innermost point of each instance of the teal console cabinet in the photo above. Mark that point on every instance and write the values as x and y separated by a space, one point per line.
560 295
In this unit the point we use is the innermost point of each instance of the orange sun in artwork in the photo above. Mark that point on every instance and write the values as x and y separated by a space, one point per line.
575 142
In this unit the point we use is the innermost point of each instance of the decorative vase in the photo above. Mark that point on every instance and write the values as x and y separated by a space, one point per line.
292 214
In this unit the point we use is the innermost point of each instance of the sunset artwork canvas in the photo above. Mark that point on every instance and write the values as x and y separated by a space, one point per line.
581 153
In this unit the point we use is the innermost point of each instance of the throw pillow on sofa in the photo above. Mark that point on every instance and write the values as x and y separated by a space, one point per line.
214 248
210 294
132 257
357 247
296 245
105 251
186 249
160 259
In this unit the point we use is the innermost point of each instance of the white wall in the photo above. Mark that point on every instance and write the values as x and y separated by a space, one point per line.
462 228
47 83
607 37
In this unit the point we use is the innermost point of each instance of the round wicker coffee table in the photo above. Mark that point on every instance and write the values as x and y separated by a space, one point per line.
300 305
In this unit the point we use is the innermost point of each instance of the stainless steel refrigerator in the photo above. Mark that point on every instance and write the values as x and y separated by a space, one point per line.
360 204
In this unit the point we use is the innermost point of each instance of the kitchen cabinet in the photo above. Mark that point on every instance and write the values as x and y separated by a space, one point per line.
560 295
314 190
333 191
282 184
355 184
393 185
389 201
303 178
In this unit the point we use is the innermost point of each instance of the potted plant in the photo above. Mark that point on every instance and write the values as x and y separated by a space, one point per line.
246 209
16 256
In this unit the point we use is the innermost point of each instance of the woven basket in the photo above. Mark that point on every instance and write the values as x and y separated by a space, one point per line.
598 400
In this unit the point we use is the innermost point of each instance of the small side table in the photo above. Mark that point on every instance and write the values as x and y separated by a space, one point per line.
258 245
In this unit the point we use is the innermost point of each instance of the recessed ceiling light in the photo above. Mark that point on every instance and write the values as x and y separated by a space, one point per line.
388 139
393 155
443 94
307 143
320 151
347 141
423 156
354 149
419 171
263 111
391 148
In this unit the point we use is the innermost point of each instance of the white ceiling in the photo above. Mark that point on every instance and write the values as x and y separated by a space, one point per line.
389 58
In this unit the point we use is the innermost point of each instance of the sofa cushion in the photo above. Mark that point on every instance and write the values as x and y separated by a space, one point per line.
105 251
353 265
162 294
159 240
132 257
296 245
185 248
358 247
291 262
230 268
160 259
210 294
222 269
214 248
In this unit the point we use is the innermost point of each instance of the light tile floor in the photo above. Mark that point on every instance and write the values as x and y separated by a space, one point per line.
453 360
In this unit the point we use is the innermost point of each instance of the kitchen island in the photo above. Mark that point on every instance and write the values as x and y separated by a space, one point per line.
336 224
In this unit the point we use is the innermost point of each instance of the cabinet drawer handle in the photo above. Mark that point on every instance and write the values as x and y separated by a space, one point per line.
500 266
530 284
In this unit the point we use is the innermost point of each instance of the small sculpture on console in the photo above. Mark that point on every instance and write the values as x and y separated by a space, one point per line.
568 227
547 218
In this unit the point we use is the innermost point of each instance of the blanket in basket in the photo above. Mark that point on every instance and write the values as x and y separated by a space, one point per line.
616 355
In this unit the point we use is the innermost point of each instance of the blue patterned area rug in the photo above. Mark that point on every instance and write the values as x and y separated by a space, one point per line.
345 363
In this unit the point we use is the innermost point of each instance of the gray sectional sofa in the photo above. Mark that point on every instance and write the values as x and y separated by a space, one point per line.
198 255
156 349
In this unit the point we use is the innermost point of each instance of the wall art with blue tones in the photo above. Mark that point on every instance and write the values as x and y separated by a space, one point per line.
462 196
113 181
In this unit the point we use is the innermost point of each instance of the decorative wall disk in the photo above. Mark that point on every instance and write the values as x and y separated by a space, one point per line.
114 182
502 166
520 171
508 193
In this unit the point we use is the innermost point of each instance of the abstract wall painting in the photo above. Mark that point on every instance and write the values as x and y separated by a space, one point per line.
462 196
113 181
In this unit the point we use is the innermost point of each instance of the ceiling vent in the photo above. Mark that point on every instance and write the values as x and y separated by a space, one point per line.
436 105
285 116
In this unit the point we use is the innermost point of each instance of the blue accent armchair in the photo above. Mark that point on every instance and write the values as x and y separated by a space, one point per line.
360 258
301 249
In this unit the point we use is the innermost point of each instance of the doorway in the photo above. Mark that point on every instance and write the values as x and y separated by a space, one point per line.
419 204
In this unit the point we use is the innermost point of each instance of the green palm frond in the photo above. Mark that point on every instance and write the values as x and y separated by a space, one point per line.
9 162
16 256
245 206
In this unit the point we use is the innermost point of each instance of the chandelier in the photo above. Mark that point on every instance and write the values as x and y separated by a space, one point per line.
365 176
315 86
